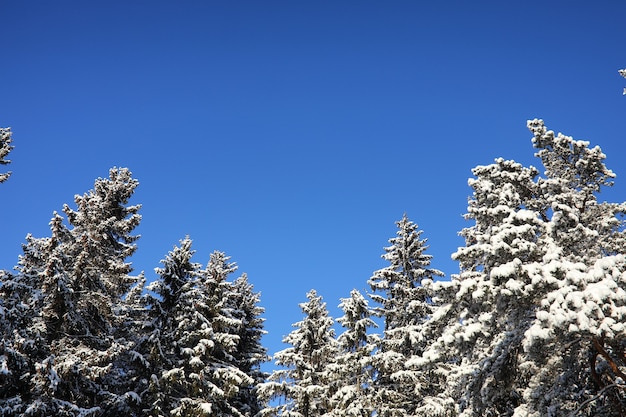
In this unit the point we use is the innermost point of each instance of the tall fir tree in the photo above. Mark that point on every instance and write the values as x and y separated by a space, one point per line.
302 387
228 370
5 148
351 374
83 281
22 327
171 312
405 305
235 317
493 309
250 353
18 296
196 330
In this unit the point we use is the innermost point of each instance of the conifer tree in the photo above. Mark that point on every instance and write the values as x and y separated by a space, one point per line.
195 332
541 290
249 353
574 351
101 227
84 278
5 148
176 291
405 306
585 228
21 327
493 311
351 374
127 370
234 372
301 388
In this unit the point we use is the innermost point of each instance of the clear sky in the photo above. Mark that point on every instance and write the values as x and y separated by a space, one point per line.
293 134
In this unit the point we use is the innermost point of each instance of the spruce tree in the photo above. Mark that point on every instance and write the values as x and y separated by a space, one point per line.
250 353
176 291
405 305
83 281
22 328
195 334
301 388
127 371
493 308
351 374
234 372
5 148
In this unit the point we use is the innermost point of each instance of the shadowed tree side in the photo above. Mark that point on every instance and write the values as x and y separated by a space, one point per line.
196 329
78 277
250 352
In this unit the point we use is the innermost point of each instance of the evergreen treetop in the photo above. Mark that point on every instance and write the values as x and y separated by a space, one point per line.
5 148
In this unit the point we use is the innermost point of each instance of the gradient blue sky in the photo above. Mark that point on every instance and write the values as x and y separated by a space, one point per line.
292 135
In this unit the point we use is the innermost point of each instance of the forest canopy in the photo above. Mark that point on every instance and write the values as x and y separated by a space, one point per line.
532 325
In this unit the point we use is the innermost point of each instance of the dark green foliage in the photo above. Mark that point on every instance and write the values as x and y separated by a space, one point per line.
80 337
203 340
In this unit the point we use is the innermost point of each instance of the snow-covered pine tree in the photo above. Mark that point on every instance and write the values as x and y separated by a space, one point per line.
127 373
493 307
250 352
301 388
405 305
101 226
351 374
574 351
5 148
193 340
228 371
84 279
434 363
574 176
11 363
171 313
537 330
21 327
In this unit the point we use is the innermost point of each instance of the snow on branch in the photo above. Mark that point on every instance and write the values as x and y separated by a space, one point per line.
5 148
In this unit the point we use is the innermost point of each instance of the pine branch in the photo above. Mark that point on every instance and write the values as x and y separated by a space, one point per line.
600 394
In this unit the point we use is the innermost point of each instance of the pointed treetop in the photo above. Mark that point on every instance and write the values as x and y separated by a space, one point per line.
407 259
177 270
357 319
218 267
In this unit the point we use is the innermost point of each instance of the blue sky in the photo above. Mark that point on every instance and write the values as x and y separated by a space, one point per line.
292 135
